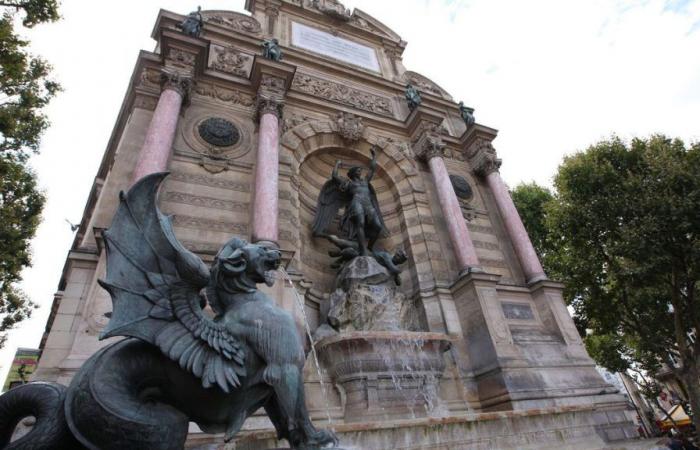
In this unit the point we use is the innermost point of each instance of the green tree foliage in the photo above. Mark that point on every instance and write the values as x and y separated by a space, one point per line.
25 89
623 231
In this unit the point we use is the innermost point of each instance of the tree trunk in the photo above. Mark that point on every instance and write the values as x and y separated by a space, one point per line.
691 382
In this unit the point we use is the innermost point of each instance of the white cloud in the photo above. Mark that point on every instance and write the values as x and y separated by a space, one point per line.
554 76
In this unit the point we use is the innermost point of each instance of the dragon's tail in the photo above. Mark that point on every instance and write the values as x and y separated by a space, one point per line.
43 401
115 401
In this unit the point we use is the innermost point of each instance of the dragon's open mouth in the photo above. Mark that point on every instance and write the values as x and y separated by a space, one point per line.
272 264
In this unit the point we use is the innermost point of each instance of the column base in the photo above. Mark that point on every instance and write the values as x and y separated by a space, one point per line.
536 279
469 270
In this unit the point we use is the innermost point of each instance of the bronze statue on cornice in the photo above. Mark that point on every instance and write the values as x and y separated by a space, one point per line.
362 220
413 97
272 50
467 114
192 25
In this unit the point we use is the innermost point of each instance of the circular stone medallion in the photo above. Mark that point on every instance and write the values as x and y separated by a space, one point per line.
219 132
461 187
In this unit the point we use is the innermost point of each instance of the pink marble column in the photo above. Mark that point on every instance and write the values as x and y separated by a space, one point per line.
157 148
456 226
266 193
516 230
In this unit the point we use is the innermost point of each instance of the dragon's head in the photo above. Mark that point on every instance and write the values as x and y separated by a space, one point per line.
240 266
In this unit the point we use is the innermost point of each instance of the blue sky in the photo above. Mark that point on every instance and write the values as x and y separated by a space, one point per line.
554 76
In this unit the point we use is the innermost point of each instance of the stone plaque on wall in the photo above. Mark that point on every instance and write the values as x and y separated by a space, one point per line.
517 311
335 47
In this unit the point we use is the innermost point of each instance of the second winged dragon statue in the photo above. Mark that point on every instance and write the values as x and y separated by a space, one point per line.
177 365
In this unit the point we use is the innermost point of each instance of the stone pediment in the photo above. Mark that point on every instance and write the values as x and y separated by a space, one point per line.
232 20
425 84
361 19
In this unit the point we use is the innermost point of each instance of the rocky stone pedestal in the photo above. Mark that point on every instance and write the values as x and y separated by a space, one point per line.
367 298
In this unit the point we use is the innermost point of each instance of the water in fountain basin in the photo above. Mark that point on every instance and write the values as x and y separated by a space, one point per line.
300 304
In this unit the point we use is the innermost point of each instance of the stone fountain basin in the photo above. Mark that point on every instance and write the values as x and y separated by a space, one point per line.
385 374
358 353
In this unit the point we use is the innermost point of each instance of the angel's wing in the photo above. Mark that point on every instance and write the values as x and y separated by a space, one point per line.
155 285
375 203
330 200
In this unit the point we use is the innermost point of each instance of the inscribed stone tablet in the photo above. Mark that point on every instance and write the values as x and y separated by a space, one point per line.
335 47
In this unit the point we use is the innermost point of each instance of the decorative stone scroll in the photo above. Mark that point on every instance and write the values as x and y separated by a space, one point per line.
234 21
342 94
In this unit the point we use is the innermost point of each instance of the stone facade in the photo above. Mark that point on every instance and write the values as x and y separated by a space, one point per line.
249 142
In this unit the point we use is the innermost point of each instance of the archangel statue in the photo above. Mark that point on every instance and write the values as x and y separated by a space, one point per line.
362 220
176 365
192 25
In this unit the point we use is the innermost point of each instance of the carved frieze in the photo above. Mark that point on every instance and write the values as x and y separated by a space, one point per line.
181 58
223 95
234 21
231 61
340 93
350 127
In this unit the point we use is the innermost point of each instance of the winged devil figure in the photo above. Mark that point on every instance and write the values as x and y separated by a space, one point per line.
177 364
362 220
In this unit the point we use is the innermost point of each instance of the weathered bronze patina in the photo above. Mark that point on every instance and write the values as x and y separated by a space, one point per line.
362 220
177 365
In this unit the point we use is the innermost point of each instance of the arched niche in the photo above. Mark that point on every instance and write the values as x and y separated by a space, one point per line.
310 151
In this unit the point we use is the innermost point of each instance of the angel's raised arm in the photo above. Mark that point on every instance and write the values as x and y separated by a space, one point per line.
337 178
372 164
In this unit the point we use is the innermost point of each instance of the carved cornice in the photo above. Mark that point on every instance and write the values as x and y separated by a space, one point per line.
483 158
176 81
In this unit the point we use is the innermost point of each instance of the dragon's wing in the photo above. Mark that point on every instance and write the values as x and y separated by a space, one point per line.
330 201
375 203
155 285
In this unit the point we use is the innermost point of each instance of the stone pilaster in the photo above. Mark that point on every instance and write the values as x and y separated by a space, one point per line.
272 80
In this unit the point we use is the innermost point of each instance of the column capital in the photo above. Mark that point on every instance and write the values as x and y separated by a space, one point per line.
483 158
268 105
271 80
429 144
177 81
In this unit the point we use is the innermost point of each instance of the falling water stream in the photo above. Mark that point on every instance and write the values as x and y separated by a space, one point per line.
300 304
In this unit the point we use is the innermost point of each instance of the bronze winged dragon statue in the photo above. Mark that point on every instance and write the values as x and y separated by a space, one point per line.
176 365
